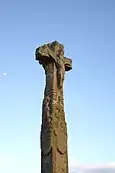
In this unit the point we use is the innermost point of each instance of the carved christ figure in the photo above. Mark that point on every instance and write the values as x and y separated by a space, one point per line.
60 71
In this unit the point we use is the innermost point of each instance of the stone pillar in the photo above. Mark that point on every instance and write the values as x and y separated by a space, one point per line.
54 154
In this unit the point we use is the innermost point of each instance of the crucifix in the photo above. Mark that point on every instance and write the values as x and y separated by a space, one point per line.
54 154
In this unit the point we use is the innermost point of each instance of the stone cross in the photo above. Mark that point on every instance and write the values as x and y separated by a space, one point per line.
54 154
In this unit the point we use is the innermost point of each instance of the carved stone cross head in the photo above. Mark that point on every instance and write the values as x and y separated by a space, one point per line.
51 52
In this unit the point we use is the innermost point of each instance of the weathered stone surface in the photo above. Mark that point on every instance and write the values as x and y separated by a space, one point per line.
54 156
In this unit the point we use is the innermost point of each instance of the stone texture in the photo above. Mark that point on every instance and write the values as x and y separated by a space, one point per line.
54 154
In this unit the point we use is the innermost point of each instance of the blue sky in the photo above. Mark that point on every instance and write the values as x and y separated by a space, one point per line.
87 30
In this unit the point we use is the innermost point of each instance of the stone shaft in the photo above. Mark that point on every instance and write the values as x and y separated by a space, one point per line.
54 154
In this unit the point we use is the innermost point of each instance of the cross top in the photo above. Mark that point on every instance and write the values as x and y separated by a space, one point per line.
52 52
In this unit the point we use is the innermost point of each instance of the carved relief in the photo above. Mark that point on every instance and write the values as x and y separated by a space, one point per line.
46 110
53 104
46 146
60 71
46 163
61 164
61 138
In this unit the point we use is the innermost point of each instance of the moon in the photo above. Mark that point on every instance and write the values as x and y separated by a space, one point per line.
4 74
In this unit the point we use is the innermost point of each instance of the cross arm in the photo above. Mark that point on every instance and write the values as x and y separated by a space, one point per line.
42 55
68 64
